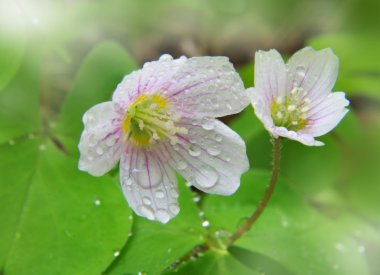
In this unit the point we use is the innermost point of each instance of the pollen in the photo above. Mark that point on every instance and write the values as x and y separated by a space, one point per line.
291 111
149 119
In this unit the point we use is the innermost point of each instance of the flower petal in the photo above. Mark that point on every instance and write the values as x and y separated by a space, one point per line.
101 141
270 75
211 157
261 108
315 71
208 86
324 116
154 77
301 137
149 185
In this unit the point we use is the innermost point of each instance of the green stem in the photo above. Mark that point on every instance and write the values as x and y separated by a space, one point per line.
268 194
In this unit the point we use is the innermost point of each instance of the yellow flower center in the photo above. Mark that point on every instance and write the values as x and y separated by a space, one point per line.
148 120
291 111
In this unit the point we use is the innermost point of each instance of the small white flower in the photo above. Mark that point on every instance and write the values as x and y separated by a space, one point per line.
162 119
294 100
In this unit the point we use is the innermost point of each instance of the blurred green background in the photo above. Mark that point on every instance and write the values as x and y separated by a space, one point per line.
58 58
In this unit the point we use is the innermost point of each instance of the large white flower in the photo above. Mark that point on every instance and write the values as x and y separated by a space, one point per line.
162 119
294 100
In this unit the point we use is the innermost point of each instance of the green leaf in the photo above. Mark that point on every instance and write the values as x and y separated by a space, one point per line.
19 102
12 41
214 263
304 166
289 232
247 74
154 246
56 219
359 62
102 70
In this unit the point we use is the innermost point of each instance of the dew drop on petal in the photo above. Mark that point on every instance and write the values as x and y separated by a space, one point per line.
207 177
99 150
301 71
147 200
194 151
213 151
218 138
147 212
208 123
174 193
110 141
128 181
162 215
174 208
181 165
165 57
160 194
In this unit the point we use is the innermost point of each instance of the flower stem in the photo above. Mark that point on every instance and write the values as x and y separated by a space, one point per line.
268 194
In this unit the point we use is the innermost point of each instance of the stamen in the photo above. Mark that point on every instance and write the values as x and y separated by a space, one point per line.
149 120
291 111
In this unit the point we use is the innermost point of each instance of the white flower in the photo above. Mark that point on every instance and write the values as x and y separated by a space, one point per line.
294 100
162 119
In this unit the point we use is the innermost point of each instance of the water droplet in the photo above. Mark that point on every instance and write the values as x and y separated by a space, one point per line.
165 57
201 214
194 151
130 217
229 107
11 142
99 150
218 138
42 147
285 223
92 141
169 250
147 212
213 151
160 194
206 224
174 193
206 177
147 200
301 71
361 249
128 181
97 202
116 253
340 247
174 208
196 199
208 123
181 165
148 177
110 141
162 215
